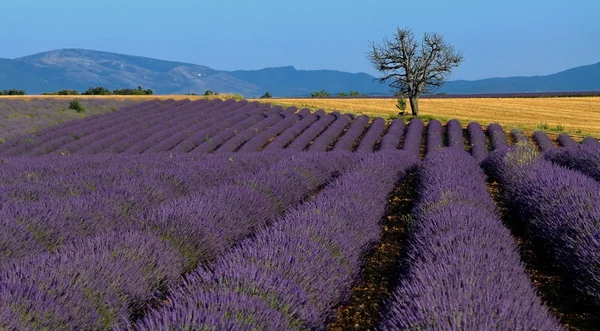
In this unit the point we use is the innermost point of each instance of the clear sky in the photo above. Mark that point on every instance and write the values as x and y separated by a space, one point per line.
497 38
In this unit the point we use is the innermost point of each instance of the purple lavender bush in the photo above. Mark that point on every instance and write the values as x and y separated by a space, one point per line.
497 136
582 158
413 137
347 141
464 270
367 143
542 140
293 274
477 140
454 132
559 208
434 136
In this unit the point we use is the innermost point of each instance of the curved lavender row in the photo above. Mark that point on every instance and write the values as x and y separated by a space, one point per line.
519 137
565 140
304 112
239 139
221 108
497 136
227 117
293 274
290 133
591 141
321 144
239 116
395 131
559 208
287 111
142 132
367 143
354 131
454 132
56 130
543 141
156 122
434 136
228 213
582 158
204 225
91 284
303 140
49 130
107 196
165 129
320 113
82 128
95 131
477 140
220 137
464 268
258 141
414 134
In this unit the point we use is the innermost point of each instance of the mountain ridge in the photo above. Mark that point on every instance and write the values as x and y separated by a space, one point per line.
78 68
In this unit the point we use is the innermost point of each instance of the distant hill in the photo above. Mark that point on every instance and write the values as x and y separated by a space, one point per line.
287 81
80 69
584 78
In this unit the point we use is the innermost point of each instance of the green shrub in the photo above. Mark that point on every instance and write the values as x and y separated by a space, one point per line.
12 92
97 91
320 94
543 126
76 106
401 104
267 95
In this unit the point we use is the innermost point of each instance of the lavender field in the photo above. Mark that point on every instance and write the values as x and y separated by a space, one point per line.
237 215
24 115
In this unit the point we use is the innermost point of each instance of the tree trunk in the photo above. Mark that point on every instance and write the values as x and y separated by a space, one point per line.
414 105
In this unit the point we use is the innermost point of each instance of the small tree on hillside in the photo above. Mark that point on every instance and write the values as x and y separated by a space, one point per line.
411 67
354 94
267 95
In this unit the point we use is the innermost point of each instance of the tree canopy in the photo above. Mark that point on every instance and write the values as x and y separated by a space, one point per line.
412 67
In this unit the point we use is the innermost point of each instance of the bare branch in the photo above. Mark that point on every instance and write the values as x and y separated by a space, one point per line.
413 67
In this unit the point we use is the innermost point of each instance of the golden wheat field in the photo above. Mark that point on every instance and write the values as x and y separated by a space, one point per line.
577 116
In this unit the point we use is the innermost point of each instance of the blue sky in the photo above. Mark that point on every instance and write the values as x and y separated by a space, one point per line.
506 38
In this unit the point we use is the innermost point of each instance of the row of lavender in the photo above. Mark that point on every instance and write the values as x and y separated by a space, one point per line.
293 274
218 126
24 115
555 195
101 258
126 263
463 269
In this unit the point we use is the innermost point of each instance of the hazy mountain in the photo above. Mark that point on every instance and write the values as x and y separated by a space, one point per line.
584 78
287 81
80 69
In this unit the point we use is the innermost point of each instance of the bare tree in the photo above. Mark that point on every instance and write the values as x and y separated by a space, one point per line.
412 68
